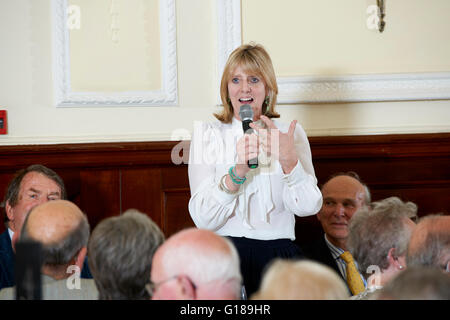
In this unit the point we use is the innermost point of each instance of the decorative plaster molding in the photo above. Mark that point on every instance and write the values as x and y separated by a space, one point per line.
64 96
324 89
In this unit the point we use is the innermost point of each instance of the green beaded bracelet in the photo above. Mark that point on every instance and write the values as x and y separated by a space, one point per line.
235 178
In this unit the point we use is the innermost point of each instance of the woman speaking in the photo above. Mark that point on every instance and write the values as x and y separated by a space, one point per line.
250 186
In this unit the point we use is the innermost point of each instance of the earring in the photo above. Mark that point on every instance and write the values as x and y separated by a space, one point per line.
267 100
400 267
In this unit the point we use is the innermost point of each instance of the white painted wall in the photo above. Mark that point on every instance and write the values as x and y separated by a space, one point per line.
26 89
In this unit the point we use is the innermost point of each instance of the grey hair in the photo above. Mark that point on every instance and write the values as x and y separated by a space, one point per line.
417 283
120 254
433 249
374 230
62 252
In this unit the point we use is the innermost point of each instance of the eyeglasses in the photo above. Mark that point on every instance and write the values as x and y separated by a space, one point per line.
151 287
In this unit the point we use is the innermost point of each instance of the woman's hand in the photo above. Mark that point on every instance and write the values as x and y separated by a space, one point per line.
247 148
279 144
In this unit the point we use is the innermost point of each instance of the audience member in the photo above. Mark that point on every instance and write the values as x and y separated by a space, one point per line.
343 194
30 187
301 280
120 254
63 231
378 239
417 283
430 243
196 264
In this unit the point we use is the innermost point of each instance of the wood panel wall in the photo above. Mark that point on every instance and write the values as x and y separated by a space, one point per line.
105 179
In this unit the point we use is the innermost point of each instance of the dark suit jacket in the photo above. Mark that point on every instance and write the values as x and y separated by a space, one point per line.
7 258
318 251
6 261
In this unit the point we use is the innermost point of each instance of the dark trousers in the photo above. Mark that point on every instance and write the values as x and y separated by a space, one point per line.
256 255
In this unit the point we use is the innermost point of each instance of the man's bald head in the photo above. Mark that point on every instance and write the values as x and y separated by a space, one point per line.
61 227
202 256
52 221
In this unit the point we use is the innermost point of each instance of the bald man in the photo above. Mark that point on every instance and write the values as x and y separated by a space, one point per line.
63 231
430 243
343 194
195 264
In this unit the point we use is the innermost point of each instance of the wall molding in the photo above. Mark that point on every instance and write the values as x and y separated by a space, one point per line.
66 97
333 89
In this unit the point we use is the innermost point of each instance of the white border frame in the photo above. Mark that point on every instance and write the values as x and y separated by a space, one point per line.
64 96
319 89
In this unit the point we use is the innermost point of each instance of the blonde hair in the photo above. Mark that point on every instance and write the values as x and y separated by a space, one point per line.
301 280
254 59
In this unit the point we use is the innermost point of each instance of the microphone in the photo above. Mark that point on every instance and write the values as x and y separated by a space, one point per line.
246 114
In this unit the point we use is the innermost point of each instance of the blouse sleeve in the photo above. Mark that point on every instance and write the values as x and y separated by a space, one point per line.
301 196
209 206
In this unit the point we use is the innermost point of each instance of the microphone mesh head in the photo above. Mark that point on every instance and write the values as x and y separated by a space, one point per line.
246 112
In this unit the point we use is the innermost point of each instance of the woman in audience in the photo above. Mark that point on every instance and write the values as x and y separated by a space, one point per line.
254 207
378 240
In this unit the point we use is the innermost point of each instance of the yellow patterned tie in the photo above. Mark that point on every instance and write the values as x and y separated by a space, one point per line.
354 280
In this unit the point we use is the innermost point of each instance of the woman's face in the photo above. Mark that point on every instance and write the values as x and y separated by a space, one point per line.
244 88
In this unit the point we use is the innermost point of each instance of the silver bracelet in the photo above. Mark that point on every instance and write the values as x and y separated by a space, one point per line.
223 186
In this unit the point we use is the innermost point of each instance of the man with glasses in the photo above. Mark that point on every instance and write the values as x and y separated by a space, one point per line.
196 264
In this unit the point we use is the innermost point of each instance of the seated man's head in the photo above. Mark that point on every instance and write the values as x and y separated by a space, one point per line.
121 249
30 187
301 280
63 231
343 195
196 264
430 243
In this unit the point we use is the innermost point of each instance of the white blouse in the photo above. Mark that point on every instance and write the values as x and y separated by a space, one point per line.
265 206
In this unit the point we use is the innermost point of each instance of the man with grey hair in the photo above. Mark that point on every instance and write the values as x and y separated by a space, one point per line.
196 264
121 249
430 243
63 231
378 239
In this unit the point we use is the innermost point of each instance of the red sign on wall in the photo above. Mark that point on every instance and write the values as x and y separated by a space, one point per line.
3 122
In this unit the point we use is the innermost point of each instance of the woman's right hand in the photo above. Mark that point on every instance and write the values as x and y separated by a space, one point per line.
247 148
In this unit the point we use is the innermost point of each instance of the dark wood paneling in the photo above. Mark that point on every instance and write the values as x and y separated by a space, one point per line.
141 189
99 194
105 179
176 213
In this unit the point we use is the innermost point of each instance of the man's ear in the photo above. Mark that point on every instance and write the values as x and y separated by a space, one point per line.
9 211
79 258
186 289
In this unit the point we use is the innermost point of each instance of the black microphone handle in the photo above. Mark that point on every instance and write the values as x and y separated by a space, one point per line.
252 163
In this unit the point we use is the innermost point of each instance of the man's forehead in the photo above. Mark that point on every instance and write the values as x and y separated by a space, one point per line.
343 187
35 180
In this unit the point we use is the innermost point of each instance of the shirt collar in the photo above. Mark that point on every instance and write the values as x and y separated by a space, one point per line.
335 251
